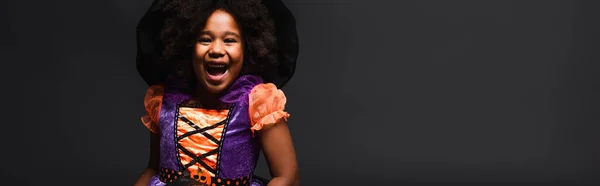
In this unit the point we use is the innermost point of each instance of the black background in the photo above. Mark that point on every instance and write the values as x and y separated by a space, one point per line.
415 92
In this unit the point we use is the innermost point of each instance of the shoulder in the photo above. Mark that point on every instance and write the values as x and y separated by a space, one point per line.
266 105
153 99
154 91
266 92
152 104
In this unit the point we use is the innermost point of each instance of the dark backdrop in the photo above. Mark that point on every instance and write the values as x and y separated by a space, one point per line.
470 92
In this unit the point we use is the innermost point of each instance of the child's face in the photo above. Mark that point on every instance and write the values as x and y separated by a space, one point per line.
218 52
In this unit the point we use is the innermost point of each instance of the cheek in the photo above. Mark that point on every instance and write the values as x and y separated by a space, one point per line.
237 54
197 62
236 58
199 52
198 56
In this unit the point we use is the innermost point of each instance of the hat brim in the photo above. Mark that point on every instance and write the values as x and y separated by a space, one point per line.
287 41
149 62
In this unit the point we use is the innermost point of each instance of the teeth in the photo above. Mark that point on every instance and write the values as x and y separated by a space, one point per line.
216 66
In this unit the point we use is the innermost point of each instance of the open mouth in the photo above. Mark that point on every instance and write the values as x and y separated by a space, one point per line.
216 69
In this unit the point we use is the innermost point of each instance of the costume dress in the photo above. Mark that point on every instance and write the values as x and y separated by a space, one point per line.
211 146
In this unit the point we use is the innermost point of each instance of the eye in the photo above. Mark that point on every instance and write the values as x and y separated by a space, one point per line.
230 40
204 40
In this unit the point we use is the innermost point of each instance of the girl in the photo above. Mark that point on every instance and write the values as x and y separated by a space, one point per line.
215 69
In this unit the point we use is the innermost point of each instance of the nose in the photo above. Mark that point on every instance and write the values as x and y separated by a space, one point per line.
217 50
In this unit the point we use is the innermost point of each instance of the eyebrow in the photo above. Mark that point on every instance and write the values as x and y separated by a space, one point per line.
232 33
226 33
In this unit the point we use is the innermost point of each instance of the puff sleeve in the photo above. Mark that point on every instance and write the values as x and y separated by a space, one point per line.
266 106
152 104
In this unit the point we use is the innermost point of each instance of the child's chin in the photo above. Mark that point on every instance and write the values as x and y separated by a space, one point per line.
216 87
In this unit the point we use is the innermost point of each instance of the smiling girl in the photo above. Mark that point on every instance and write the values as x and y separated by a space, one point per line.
215 69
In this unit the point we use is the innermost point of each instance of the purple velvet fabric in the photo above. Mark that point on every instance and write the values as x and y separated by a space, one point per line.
154 181
257 183
240 150
171 99
238 91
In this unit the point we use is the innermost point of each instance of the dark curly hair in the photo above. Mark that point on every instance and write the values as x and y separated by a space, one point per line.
185 18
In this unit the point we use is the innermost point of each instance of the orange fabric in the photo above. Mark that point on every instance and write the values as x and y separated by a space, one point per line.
266 106
152 104
197 143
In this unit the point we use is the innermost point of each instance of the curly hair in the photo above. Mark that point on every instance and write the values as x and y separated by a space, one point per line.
185 18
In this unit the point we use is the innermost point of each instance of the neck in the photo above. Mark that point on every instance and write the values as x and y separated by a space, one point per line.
206 99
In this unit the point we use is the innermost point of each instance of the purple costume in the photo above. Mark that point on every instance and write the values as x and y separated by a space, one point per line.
237 150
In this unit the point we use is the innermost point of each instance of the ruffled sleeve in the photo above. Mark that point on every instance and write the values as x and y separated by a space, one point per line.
152 104
266 106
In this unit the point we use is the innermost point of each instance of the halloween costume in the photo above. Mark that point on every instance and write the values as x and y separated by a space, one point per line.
202 146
